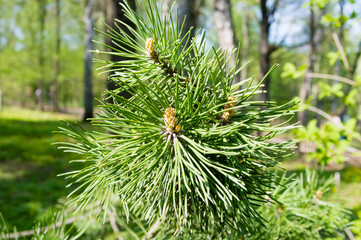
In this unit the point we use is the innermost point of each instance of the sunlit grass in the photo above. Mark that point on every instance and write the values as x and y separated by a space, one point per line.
16 113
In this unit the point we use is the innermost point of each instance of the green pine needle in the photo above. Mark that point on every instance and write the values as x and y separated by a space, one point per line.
188 146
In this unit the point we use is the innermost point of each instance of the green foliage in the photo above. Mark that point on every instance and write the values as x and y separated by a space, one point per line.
337 21
357 226
332 19
333 57
319 3
187 147
331 140
350 99
327 90
304 212
290 71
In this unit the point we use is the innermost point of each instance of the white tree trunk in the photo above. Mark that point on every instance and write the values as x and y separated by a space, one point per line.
245 44
225 29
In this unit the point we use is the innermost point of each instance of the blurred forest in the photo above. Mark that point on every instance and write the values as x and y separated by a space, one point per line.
50 52
44 47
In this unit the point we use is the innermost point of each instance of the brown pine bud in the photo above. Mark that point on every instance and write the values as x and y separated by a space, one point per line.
225 116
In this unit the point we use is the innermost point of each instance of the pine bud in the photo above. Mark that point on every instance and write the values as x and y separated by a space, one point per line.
231 99
149 45
225 116
170 120
230 104
177 128
150 48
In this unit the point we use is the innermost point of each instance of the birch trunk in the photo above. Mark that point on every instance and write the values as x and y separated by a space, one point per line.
245 44
225 30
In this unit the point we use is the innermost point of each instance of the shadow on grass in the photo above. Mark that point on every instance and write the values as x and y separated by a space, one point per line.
29 165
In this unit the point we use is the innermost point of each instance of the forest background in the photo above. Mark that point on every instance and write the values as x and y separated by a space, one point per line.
46 65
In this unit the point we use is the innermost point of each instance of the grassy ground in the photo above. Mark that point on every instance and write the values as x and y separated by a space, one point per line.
29 165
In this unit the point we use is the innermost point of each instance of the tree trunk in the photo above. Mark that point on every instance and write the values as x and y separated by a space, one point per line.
89 33
41 58
115 11
1 98
306 84
225 30
166 5
55 91
245 44
186 11
265 49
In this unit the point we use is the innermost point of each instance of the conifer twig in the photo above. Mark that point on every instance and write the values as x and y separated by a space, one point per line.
153 229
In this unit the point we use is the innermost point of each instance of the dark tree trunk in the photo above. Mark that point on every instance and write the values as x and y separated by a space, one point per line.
186 10
225 30
89 33
55 90
265 49
115 11
41 57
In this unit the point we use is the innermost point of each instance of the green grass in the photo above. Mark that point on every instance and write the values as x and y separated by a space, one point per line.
29 164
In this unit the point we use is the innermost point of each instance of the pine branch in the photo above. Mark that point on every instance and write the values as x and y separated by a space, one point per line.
183 149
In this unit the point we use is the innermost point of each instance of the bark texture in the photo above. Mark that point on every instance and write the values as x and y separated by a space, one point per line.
115 11
89 34
41 58
225 30
265 48
187 14
245 44
55 90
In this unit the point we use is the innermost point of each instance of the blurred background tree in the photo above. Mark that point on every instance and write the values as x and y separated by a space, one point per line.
45 40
